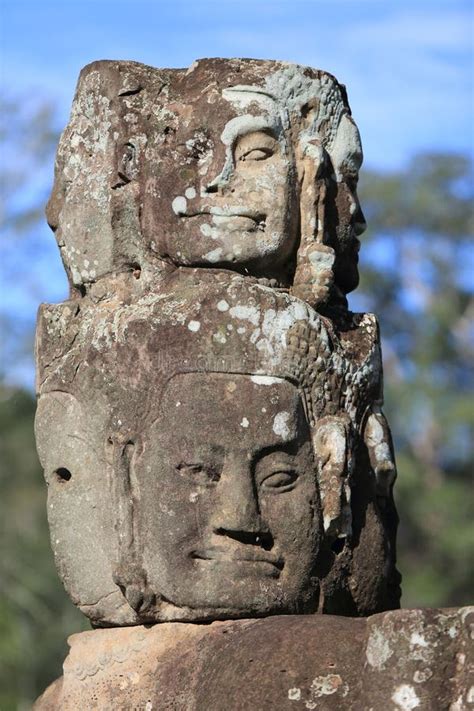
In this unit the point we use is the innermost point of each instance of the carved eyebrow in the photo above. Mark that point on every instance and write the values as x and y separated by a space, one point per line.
249 89
289 447
242 125
264 132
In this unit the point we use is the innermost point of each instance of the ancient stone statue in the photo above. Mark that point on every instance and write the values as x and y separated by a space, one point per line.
244 165
209 416
209 409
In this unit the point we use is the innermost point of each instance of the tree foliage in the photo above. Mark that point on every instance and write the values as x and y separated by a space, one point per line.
418 278
415 277
36 616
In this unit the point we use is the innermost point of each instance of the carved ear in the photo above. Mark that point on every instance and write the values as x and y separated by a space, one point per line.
315 260
128 573
311 160
127 167
332 442
378 440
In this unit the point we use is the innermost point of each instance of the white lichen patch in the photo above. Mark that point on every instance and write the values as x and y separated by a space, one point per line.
378 649
420 647
265 380
453 631
254 336
190 193
222 305
246 313
422 675
214 255
325 686
194 326
405 698
206 230
280 425
179 205
277 323
245 423
294 694
417 639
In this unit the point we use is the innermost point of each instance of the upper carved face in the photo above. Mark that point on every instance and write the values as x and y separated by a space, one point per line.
206 167
243 216
224 187
229 514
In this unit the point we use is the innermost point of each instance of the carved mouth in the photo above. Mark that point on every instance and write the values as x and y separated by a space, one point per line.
243 222
235 555
235 217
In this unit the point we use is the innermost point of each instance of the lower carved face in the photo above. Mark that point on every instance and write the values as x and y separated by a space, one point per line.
229 512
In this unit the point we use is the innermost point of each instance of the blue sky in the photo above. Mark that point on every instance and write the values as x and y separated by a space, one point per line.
407 64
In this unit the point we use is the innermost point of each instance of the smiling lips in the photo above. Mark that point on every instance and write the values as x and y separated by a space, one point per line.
237 555
241 222
237 217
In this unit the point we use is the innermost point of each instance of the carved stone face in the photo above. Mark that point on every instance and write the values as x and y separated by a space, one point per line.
229 507
241 216
70 440
222 188
204 167
346 159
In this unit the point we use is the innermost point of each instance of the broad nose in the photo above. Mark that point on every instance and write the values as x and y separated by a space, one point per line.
220 182
212 187
237 514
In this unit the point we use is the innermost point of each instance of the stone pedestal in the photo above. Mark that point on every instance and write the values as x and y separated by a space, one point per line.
404 659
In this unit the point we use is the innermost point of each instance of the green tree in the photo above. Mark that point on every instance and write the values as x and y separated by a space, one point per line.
36 616
29 265
417 266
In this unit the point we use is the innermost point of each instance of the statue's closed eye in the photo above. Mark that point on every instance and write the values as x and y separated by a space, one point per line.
256 154
254 146
280 481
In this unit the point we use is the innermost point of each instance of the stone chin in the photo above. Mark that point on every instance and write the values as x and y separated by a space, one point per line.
166 611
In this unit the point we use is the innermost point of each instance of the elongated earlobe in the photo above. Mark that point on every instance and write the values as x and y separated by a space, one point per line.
332 444
128 572
378 440
315 260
